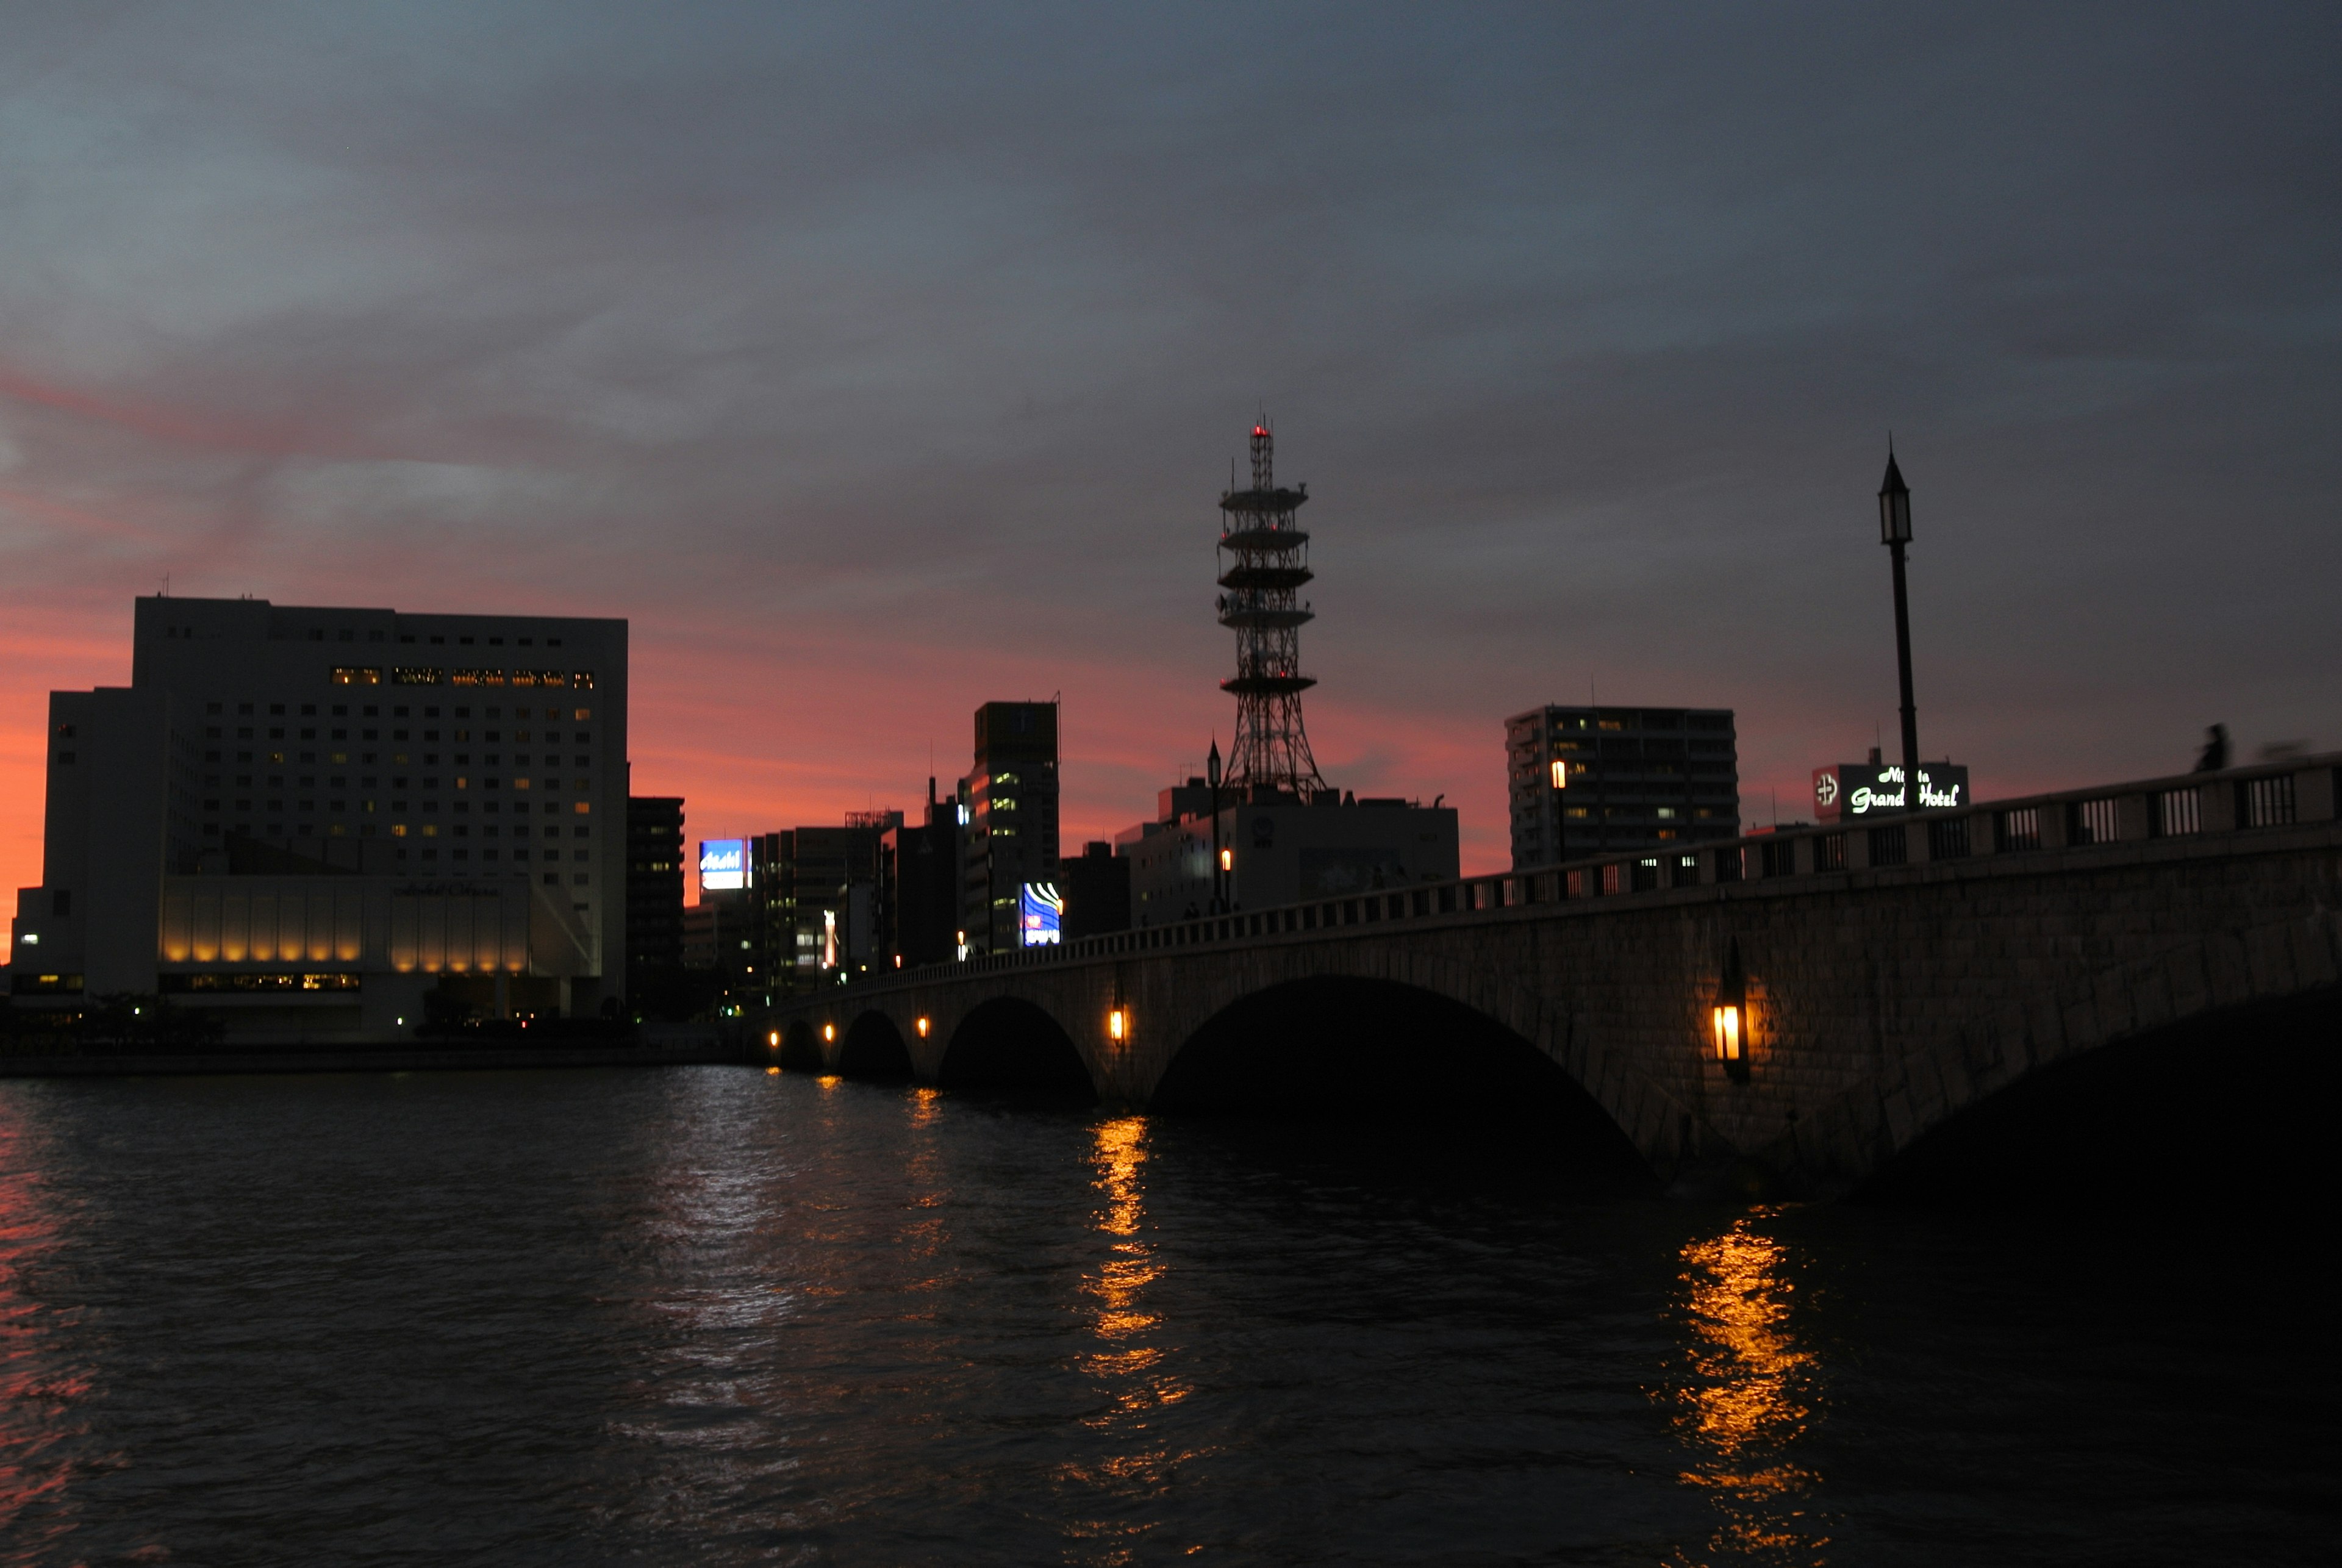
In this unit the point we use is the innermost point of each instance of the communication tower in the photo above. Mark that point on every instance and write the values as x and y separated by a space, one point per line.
1264 560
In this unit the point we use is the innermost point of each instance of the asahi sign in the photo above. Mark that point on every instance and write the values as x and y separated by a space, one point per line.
1853 790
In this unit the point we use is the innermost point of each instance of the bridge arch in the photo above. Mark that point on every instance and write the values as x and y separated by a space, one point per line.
1010 1043
801 1048
2224 1100
874 1048
1343 1046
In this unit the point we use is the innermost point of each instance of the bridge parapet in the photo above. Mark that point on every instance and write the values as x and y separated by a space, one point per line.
1889 986
2179 811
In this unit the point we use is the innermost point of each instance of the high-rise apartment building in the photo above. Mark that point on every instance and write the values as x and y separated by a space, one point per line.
1635 779
306 818
1011 834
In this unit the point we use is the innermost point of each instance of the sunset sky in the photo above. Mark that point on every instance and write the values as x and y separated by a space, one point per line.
875 361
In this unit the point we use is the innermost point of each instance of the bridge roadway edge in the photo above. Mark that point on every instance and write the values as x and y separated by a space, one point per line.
1882 1002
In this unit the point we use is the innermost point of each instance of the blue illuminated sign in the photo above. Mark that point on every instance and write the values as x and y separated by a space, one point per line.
722 865
1040 915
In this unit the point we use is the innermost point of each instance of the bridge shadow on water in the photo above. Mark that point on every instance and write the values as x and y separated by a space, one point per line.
2232 1105
1399 1060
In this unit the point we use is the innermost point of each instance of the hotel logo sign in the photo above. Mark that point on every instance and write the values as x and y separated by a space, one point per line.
1853 790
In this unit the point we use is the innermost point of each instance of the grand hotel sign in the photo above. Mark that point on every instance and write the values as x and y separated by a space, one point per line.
1853 790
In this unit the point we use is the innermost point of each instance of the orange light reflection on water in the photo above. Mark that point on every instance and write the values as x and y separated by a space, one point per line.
1130 1364
1748 1394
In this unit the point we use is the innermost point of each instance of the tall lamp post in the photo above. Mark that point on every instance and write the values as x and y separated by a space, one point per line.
1894 531
1220 863
1560 811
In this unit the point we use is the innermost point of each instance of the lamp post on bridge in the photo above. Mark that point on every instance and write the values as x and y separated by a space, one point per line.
1219 860
1560 810
1895 532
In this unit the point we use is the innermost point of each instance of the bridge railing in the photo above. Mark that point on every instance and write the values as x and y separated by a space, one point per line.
2272 794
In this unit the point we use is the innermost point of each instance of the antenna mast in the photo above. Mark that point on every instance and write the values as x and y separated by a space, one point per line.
1264 562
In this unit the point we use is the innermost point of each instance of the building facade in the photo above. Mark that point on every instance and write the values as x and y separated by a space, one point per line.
1010 836
919 887
1636 779
1095 884
304 819
1262 848
655 885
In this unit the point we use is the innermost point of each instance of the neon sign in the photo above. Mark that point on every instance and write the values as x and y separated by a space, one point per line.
1040 915
722 865
1881 789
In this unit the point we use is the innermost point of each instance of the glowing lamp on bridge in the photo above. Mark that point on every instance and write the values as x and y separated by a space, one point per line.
828 1031
923 1028
1118 1024
1728 1019
774 1039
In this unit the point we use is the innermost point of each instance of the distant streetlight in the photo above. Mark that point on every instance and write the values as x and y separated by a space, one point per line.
1895 532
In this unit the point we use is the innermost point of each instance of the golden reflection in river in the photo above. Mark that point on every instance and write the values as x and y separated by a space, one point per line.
1747 1395
924 1235
1128 1364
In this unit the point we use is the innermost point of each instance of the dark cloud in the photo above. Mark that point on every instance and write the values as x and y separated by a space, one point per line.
880 360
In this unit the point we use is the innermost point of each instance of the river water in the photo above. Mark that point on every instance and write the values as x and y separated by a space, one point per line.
718 1316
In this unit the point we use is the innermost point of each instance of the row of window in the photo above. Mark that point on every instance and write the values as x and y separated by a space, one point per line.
309 733
349 634
463 781
430 675
397 760
309 780
212 806
396 830
373 710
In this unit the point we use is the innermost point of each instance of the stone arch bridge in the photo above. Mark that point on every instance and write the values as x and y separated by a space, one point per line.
1905 983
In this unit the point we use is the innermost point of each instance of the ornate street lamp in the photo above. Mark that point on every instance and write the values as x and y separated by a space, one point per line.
1728 1018
1895 532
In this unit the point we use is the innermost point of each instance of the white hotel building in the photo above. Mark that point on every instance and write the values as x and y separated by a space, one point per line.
307 819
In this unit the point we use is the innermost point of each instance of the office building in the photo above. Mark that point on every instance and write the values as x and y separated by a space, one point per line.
1010 835
1634 779
1095 887
919 887
786 912
303 820
655 885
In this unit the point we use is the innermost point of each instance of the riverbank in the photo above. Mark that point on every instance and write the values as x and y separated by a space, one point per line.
662 1049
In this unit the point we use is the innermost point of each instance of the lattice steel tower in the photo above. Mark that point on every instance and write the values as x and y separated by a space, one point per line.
1265 561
